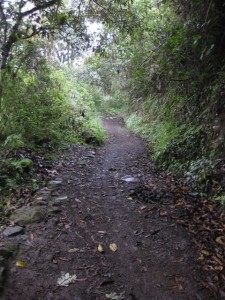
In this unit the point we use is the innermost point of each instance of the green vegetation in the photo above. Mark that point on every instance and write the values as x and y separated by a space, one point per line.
159 62
169 66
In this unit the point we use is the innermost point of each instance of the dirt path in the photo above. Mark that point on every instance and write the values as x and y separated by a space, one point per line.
155 258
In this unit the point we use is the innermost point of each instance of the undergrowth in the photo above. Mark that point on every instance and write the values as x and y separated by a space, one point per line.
178 147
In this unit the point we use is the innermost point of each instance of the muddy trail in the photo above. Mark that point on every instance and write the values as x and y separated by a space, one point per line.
110 231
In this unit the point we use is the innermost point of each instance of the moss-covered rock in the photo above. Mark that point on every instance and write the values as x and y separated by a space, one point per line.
28 215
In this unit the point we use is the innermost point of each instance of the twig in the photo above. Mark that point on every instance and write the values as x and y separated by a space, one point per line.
207 14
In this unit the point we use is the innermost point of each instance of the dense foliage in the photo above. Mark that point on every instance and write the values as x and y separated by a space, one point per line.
171 68
160 61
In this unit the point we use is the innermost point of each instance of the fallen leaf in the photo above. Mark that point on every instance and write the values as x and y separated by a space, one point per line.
100 248
219 240
152 209
64 258
210 285
73 250
163 213
66 279
77 200
67 226
178 284
220 256
210 207
201 258
21 264
143 207
205 252
39 198
114 296
113 247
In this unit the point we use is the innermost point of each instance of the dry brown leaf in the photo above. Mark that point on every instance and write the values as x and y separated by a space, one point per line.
113 247
205 252
64 258
210 207
210 286
152 209
218 268
143 207
217 260
220 256
201 257
163 213
219 240
178 284
100 248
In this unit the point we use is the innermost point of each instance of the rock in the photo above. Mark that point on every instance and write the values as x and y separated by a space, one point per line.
5 253
54 210
43 194
54 194
59 200
2 276
2 260
12 231
28 215
41 203
91 155
53 222
7 249
49 257
82 163
55 184
129 178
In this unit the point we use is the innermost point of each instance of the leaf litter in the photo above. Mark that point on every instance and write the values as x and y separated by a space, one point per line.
114 296
66 279
113 247
21 264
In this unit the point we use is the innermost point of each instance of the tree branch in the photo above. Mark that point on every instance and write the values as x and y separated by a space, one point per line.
40 7
4 21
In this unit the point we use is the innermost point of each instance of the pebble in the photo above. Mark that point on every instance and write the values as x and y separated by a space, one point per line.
54 210
129 178
12 231
55 183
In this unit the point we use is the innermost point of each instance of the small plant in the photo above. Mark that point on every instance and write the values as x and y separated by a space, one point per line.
93 131
14 141
23 165
200 173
